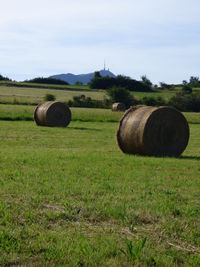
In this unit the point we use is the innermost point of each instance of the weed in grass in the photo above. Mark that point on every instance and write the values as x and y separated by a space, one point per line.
134 252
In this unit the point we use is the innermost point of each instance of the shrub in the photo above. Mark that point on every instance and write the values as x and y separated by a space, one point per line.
186 89
153 101
78 83
82 101
49 97
186 102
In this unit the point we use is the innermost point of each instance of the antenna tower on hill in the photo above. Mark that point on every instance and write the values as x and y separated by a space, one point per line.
104 65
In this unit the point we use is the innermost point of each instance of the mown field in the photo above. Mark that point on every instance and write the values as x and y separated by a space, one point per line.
29 95
69 196
36 95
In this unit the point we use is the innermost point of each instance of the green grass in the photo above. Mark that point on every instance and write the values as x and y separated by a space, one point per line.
25 113
166 94
69 196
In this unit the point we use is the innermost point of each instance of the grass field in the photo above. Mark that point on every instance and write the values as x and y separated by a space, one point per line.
25 113
69 196
35 95
30 93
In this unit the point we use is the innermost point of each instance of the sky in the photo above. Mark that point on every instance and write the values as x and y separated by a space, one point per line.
156 38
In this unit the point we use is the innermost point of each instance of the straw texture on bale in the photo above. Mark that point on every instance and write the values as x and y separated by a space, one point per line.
118 107
153 131
52 113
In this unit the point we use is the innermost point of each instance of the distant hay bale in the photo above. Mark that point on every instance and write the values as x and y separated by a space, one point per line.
153 131
52 113
118 107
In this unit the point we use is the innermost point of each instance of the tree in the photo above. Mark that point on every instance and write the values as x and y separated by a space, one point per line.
165 86
119 94
119 81
184 82
2 78
97 74
194 81
146 81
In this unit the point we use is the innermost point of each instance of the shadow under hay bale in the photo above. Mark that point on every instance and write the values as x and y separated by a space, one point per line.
118 107
153 131
52 113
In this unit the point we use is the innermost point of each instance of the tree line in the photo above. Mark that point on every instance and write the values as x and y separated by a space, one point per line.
99 82
2 78
47 81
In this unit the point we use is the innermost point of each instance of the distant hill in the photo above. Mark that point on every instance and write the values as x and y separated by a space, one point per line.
83 78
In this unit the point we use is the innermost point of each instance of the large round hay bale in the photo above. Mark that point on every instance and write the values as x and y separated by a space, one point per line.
153 131
118 107
52 113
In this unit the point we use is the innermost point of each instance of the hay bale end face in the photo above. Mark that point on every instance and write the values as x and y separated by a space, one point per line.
53 114
153 131
118 107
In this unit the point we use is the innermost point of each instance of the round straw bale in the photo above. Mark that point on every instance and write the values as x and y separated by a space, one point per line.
118 107
153 131
52 113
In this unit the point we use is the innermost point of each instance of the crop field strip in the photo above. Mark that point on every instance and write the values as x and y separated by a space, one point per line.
69 196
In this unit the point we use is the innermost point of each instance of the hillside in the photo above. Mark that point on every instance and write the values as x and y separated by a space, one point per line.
83 78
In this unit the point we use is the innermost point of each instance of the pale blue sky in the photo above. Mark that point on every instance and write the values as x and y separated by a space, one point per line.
159 38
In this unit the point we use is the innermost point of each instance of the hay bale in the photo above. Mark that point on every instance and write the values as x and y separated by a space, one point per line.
52 113
153 131
118 107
